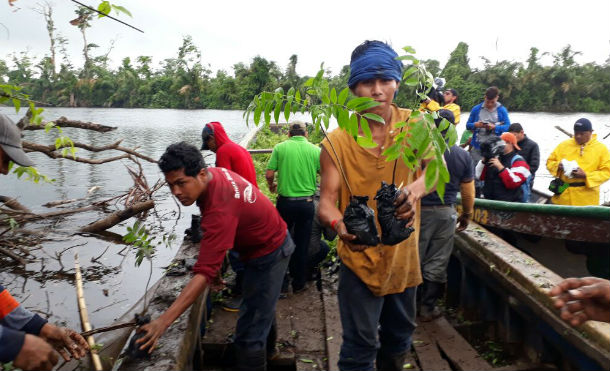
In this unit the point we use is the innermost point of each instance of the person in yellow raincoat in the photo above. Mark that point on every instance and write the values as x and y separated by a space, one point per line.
593 160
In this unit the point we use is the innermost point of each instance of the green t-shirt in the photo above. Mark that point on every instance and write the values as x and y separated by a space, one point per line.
297 162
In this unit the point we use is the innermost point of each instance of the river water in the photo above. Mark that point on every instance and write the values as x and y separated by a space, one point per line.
112 283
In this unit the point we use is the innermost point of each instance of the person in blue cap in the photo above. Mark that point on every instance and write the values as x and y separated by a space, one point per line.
593 169
377 284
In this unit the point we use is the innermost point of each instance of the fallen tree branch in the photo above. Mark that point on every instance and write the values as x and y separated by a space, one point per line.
84 316
13 204
12 255
118 217
51 151
66 123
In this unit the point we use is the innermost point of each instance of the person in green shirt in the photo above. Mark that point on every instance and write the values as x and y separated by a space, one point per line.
297 162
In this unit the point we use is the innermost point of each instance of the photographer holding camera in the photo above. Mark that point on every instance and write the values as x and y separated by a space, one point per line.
502 169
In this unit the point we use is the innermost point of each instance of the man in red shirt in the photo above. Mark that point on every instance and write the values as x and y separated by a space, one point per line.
234 215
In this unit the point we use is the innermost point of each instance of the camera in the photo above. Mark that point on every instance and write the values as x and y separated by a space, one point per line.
492 147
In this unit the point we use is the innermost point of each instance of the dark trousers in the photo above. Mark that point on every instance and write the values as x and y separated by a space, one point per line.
365 317
298 215
261 290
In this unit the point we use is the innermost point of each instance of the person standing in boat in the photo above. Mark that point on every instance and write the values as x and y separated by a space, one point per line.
234 215
438 222
450 97
234 157
529 149
593 169
377 284
26 339
487 119
297 162
505 173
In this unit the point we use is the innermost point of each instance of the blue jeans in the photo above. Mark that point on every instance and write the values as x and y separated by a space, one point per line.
364 316
261 288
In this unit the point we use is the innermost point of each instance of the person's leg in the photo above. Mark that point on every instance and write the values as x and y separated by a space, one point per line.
397 323
360 311
475 155
262 284
434 270
302 213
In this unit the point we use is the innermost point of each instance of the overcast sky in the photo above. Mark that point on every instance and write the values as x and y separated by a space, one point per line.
318 31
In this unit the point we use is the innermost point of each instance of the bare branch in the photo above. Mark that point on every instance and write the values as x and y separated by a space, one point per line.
50 151
13 204
12 255
118 217
24 124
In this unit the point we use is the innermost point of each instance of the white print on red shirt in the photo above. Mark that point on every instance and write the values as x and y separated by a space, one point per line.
230 179
249 195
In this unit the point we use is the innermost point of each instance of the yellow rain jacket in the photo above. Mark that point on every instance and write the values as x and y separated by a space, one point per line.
593 158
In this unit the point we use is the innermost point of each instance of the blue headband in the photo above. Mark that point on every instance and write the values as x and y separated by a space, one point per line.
377 62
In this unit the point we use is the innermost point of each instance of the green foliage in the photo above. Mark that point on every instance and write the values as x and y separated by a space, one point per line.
421 141
31 173
145 242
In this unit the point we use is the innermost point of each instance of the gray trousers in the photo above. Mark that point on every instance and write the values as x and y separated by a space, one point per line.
436 241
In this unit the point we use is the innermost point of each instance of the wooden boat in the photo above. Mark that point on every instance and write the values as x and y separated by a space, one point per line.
576 223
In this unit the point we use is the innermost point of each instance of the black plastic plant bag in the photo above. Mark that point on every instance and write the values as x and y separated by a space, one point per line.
359 220
393 230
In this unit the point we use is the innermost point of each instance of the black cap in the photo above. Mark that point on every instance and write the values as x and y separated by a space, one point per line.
205 134
515 128
583 124
452 91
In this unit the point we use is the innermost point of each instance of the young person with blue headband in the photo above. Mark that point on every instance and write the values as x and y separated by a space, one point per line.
377 284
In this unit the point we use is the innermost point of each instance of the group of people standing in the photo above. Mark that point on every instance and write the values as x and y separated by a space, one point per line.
378 285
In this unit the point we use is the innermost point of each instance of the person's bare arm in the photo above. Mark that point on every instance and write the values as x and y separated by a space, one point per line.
270 176
157 327
330 184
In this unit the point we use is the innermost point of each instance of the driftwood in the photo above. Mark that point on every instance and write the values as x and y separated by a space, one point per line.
563 131
12 255
66 123
51 151
84 316
64 202
118 217
13 204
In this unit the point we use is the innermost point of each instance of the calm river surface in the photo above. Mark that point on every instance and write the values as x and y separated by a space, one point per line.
112 283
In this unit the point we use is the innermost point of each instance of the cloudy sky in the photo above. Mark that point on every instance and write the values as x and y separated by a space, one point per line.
231 31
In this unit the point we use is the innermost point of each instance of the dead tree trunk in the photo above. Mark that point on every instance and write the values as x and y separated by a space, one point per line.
118 217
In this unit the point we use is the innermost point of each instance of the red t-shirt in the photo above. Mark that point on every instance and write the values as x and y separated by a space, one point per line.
235 215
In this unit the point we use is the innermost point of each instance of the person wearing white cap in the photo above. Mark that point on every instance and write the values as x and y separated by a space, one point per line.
10 145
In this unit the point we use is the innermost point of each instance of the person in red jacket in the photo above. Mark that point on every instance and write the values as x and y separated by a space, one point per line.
234 215
229 154
234 157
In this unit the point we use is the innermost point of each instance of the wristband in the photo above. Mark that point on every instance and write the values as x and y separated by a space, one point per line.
333 224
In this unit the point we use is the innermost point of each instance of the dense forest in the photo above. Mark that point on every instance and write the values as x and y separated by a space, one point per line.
185 82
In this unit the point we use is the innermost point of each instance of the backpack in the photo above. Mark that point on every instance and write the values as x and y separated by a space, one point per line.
526 189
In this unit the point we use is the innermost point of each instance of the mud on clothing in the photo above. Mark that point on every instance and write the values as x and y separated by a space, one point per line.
593 158
235 214
15 322
232 156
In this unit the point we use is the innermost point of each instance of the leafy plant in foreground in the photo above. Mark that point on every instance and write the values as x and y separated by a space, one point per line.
419 142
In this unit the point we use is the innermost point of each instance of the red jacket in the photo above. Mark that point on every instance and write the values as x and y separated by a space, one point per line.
231 155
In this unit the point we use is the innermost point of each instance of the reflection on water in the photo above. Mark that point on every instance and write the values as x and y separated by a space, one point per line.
48 284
